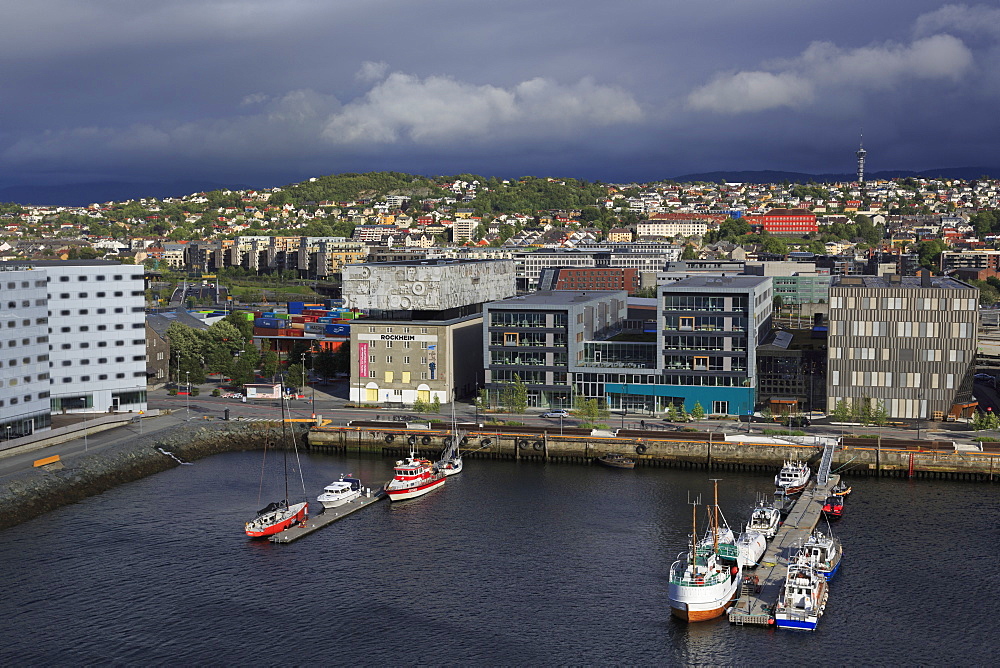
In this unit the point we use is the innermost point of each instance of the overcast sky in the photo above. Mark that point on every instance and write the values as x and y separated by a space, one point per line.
269 92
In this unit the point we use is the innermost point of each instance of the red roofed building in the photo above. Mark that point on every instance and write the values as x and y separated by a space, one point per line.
785 221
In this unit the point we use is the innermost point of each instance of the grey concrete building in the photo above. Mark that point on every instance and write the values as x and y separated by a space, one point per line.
424 327
906 342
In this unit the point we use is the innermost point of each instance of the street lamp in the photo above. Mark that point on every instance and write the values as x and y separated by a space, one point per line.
8 432
920 413
187 397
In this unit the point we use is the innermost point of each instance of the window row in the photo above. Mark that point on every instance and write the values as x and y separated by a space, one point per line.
27 342
104 376
12 285
904 303
100 277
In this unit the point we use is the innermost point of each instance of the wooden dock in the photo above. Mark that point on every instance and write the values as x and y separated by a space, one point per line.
755 604
327 517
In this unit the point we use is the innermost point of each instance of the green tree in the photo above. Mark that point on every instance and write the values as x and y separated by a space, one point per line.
519 396
842 411
689 253
929 253
698 413
268 362
435 404
672 413
421 405
295 375
879 414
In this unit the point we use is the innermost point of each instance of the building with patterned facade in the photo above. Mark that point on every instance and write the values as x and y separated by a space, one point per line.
907 343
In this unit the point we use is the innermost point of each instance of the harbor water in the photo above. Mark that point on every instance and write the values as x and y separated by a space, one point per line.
514 563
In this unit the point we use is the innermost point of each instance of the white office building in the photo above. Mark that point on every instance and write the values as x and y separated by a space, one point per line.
97 336
24 353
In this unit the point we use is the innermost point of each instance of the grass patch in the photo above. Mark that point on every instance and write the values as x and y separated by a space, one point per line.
592 425
985 439
783 432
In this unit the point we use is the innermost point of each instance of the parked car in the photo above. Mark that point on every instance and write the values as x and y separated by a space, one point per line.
556 413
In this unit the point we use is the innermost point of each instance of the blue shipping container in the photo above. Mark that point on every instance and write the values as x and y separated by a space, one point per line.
341 330
269 323
295 308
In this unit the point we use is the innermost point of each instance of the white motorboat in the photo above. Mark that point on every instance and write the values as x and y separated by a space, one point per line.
751 546
824 553
340 492
803 596
793 477
765 519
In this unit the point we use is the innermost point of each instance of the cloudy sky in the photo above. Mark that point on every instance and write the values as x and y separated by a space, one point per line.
269 92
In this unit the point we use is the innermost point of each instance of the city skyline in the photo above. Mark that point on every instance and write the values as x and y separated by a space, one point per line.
277 92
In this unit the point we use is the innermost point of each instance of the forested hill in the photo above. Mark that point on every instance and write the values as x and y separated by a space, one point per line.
350 187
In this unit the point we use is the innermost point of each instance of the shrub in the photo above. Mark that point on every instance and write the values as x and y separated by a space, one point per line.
195 391
985 439
216 392
172 392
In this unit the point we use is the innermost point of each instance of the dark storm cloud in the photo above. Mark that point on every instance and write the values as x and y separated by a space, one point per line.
265 92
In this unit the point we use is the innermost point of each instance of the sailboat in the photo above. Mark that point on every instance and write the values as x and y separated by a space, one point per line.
705 581
451 459
277 516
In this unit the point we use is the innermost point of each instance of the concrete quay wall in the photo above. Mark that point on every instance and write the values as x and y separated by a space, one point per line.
33 492
876 460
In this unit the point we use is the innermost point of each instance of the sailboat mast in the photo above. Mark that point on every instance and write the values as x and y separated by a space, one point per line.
284 438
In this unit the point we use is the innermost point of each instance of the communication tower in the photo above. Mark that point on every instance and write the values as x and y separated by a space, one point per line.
861 160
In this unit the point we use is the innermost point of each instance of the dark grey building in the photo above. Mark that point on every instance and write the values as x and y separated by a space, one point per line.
906 342
549 338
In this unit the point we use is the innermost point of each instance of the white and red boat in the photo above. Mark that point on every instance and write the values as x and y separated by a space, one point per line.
413 477
792 478
275 518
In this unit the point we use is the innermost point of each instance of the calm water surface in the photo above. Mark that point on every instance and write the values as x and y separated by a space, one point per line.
509 563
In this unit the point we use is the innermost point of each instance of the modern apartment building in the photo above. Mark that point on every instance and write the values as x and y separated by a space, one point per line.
549 340
24 353
906 342
708 331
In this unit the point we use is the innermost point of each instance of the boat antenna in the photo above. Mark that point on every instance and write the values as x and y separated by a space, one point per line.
694 503
715 521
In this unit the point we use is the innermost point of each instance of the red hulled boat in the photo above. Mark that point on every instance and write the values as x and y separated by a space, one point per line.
833 507
413 477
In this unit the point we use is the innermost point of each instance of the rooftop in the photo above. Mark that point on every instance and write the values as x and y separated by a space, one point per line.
710 282
559 298
896 281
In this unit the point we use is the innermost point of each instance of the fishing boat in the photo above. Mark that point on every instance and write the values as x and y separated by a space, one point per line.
340 492
833 507
751 546
277 516
793 477
705 580
803 596
824 553
765 519
615 461
413 477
